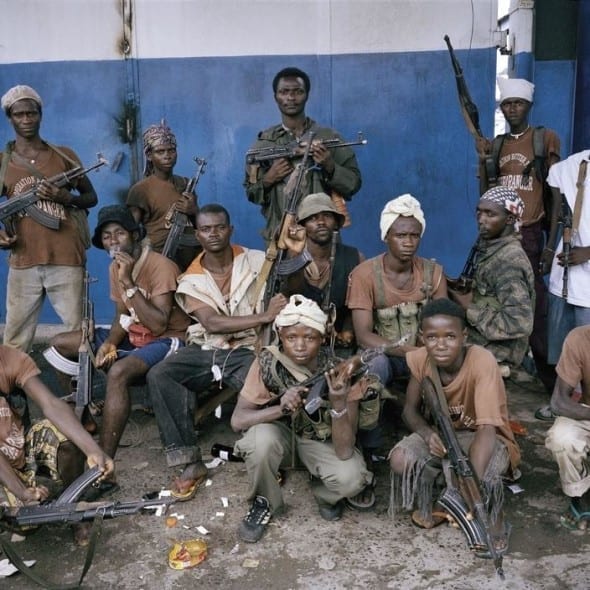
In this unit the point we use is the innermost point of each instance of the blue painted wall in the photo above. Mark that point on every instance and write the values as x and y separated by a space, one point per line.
405 103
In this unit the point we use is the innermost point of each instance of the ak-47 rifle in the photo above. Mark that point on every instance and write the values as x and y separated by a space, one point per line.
265 156
465 503
354 367
276 266
26 201
67 508
177 236
470 112
566 220
82 393
463 283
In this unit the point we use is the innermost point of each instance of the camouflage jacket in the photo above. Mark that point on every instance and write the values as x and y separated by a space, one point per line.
346 179
500 317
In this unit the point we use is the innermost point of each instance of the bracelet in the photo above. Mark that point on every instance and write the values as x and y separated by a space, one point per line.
338 414
548 249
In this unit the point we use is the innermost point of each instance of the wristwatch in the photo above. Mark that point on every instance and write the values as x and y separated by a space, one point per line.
338 414
129 293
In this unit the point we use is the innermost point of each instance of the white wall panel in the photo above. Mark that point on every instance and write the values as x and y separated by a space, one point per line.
42 30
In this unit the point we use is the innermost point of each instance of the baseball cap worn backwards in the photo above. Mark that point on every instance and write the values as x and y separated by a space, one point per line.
113 214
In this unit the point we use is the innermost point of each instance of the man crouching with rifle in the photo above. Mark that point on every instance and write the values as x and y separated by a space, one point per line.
56 445
479 448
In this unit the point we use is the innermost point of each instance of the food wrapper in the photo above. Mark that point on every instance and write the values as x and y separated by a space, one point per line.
187 554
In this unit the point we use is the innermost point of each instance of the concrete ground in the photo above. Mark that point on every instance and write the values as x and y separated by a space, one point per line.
300 550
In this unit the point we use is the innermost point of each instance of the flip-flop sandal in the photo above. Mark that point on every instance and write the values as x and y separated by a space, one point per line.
364 500
190 492
438 518
574 519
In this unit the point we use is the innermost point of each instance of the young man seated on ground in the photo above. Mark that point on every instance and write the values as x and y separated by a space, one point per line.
39 460
271 404
569 437
500 306
476 398
147 326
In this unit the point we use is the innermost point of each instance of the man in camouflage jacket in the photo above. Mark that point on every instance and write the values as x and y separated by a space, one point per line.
500 306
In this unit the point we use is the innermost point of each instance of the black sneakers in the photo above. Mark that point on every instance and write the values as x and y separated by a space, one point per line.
254 523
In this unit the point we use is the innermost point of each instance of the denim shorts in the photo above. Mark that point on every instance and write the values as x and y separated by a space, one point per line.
150 354
563 317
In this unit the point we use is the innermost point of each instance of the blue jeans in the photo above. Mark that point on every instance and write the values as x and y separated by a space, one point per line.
563 317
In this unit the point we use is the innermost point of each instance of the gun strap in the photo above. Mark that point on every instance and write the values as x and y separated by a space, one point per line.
19 564
438 386
579 197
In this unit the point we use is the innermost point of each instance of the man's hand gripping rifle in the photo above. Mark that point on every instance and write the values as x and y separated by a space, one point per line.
463 283
288 238
265 156
465 502
471 116
26 201
177 236
68 509
352 368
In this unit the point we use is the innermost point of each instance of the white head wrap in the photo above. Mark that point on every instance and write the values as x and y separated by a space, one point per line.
406 206
515 88
301 310
17 93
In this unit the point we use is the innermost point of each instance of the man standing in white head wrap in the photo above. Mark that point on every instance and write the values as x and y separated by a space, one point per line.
520 159
386 293
277 428
43 261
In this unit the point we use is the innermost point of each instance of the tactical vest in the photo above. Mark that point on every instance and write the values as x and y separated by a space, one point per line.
398 321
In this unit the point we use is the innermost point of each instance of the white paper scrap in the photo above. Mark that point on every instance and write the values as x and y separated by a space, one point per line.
235 549
218 412
202 530
7 569
216 462
164 494
220 514
224 501
208 483
515 488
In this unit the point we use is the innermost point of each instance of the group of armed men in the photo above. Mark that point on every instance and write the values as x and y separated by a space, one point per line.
195 319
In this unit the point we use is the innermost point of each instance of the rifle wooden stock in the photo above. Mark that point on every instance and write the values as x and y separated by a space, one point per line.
469 485
26 201
274 269
469 111
176 236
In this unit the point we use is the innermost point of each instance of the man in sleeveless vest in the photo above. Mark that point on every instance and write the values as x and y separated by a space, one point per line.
500 306
474 391
156 198
522 158
336 171
218 291
325 280
43 261
277 430
385 293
